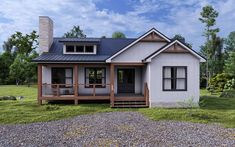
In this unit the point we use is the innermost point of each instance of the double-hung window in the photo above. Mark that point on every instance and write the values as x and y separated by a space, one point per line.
62 76
95 76
174 78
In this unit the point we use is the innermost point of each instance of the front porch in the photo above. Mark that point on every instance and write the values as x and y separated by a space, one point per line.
79 85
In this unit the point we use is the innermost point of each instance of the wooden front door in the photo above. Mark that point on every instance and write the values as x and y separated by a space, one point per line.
126 80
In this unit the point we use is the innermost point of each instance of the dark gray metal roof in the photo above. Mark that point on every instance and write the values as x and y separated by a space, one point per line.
106 47
50 57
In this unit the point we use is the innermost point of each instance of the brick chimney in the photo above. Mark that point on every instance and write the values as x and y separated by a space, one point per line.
45 33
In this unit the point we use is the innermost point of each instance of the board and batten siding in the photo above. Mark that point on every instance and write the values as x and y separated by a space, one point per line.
138 52
158 97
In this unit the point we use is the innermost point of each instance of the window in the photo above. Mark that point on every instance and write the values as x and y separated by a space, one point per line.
175 78
89 49
62 76
69 48
95 76
80 49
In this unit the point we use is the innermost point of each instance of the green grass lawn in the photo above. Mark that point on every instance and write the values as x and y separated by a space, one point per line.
213 109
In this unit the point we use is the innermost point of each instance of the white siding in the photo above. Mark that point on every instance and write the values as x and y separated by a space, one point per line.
138 52
157 95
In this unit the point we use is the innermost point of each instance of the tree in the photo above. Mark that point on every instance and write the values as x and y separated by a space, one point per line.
17 69
230 64
75 32
25 44
8 45
118 35
182 39
6 59
230 43
20 68
208 16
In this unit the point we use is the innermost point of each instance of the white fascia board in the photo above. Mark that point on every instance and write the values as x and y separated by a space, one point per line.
184 46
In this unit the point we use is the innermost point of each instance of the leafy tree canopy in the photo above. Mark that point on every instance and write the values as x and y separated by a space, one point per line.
230 64
118 35
8 45
208 17
230 42
19 50
75 32
25 44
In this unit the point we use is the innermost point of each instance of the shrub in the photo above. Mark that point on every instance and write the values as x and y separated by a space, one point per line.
7 98
216 84
228 94
230 85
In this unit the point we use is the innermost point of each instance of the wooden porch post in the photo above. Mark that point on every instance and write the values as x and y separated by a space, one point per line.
39 84
112 84
75 70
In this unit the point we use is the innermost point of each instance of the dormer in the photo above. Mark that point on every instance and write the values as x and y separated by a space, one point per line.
82 46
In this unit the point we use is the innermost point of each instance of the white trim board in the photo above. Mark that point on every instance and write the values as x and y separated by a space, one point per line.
137 40
166 47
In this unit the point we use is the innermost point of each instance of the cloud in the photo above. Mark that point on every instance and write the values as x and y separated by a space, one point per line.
170 17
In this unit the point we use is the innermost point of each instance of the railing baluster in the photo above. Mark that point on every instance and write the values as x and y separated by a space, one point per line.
93 89
57 88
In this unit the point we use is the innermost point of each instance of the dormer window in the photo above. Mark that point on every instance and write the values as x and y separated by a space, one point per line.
79 49
69 48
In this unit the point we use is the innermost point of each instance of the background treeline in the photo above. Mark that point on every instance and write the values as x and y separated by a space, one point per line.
15 61
218 73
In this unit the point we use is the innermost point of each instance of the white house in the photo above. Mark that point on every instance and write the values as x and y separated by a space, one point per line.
151 70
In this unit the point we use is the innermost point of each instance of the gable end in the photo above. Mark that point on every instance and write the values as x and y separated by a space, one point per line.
153 37
176 48
153 30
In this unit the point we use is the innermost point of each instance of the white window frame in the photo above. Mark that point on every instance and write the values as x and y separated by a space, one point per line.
80 53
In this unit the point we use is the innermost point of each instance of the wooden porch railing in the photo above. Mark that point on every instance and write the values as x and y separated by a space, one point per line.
55 88
146 94
93 86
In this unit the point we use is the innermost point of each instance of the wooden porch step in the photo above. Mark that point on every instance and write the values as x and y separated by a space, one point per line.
130 106
130 103
129 99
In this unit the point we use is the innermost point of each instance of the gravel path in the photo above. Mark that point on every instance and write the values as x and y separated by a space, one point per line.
115 129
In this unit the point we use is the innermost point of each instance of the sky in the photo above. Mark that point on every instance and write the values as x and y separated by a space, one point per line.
102 17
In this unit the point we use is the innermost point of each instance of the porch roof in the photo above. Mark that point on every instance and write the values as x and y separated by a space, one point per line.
60 58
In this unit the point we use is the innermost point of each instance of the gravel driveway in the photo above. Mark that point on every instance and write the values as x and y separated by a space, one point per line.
115 129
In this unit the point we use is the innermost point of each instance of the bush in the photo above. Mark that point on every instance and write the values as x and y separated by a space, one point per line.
7 98
217 83
228 94
230 85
